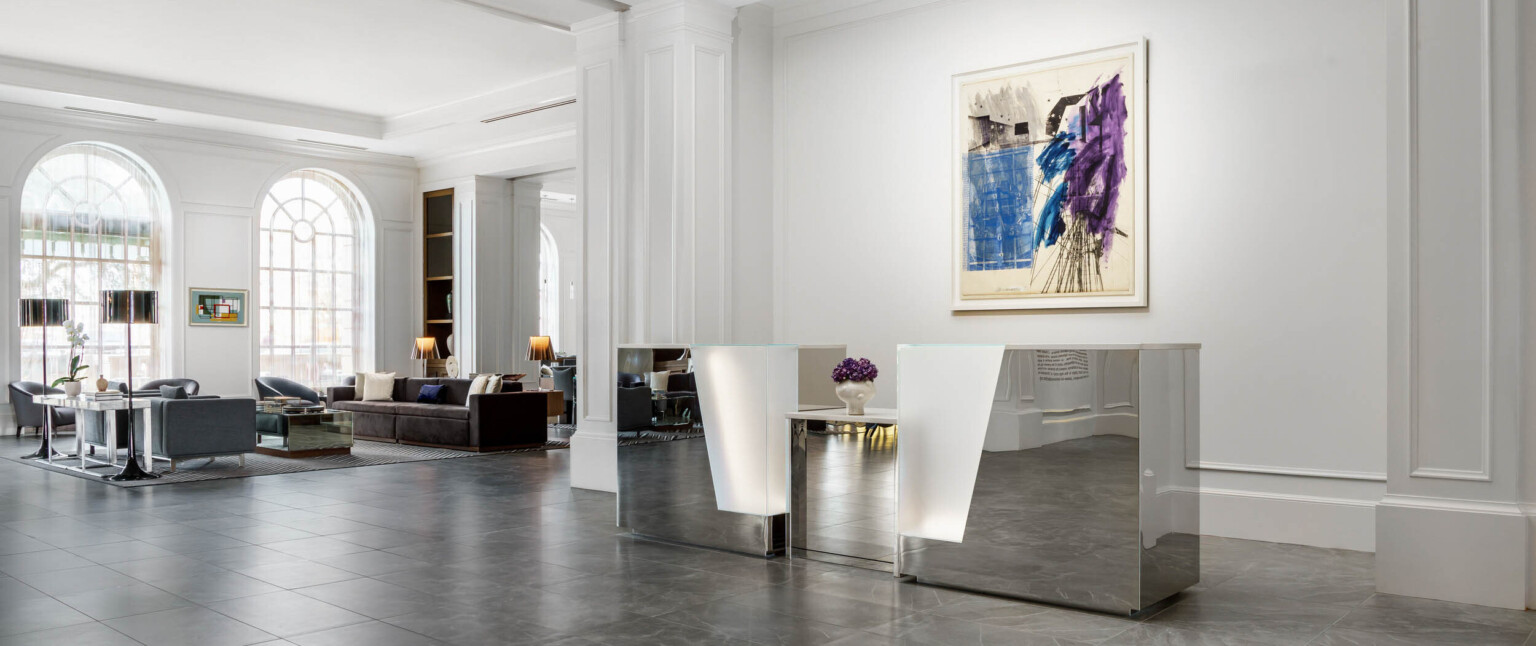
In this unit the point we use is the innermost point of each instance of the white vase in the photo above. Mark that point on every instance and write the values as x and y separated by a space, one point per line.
71 389
855 394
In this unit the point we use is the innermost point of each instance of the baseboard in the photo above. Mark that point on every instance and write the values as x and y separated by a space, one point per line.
595 461
1459 551
1318 521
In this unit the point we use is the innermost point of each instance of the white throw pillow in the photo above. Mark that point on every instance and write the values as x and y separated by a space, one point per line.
494 384
477 387
377 386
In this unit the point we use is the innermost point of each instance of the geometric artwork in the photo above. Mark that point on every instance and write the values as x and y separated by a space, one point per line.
220 307
1050 183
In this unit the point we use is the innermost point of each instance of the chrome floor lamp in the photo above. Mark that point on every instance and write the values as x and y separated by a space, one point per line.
43 313
131 306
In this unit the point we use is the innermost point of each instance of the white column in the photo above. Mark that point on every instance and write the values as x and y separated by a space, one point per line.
1452 525
602 128
655 95
682 159
524 279
482 298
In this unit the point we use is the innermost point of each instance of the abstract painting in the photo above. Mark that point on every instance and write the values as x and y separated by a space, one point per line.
1050 183
221 307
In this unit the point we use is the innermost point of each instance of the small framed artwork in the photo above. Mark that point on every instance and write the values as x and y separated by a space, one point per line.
217 307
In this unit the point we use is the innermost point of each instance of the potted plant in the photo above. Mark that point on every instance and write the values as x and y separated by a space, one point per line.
77 339
855 383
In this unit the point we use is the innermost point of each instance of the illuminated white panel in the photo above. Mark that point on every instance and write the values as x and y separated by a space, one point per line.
944 399
744 392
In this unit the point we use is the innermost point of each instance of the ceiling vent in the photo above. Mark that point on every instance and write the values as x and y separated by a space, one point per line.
104 113
532 110
330 145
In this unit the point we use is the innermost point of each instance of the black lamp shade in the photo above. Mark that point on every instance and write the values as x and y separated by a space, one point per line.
39 312
130 306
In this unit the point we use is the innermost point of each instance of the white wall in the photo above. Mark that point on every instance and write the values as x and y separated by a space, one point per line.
1267 217
216 183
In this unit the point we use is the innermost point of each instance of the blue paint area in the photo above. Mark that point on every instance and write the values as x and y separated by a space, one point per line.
1056 157
999 189
1051 225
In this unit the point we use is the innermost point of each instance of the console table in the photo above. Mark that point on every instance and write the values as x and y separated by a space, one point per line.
852 476
108 406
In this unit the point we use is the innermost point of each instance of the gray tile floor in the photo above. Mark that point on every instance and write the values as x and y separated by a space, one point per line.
499 550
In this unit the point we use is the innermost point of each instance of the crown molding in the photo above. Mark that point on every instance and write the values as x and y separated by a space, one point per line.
49 77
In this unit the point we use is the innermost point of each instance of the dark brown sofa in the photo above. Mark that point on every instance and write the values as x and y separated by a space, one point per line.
493 422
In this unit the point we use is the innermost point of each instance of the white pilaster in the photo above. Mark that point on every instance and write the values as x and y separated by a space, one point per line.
524 288
602 171
1451 525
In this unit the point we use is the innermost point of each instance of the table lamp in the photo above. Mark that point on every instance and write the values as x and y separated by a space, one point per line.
131 306
43 312
424 348
540 349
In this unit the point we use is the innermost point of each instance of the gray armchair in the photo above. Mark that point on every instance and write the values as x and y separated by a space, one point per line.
29 414
186 429
565 382
190 385
280 387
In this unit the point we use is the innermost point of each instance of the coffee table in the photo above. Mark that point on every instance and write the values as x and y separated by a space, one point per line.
305 434
670 412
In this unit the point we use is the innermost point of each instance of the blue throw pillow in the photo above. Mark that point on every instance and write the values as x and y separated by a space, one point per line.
173 392
430 395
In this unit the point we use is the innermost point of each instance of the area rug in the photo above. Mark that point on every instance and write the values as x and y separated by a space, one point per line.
364 453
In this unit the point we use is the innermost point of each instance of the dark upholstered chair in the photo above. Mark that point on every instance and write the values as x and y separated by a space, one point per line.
190 385
280 387
565 382
683 383
29 414
187 429
634 402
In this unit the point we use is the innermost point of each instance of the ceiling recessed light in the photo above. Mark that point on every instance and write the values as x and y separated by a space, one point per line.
532 110
104 113
329 144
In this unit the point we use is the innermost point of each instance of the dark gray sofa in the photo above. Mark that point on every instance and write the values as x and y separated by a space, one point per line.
493 422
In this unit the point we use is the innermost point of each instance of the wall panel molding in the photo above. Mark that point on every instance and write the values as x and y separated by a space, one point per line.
1422 465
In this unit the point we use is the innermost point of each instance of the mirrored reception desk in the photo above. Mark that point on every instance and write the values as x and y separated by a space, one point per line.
1050 473
724 487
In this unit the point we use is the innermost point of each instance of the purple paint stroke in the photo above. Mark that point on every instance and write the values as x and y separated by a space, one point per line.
1093 180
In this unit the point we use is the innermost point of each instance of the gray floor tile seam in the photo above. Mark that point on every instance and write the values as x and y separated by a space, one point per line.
290 637
97 622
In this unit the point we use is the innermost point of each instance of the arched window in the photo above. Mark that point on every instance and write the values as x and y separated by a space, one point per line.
90 221
549 288
310 307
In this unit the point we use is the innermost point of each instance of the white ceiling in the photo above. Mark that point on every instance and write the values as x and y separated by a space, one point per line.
406 77
373 57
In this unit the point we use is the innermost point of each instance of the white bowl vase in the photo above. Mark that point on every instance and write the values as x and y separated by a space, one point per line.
855 394
72 389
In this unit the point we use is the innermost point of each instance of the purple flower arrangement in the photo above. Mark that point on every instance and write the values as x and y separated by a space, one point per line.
855 370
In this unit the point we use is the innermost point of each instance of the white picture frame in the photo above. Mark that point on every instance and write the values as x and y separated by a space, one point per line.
965 295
